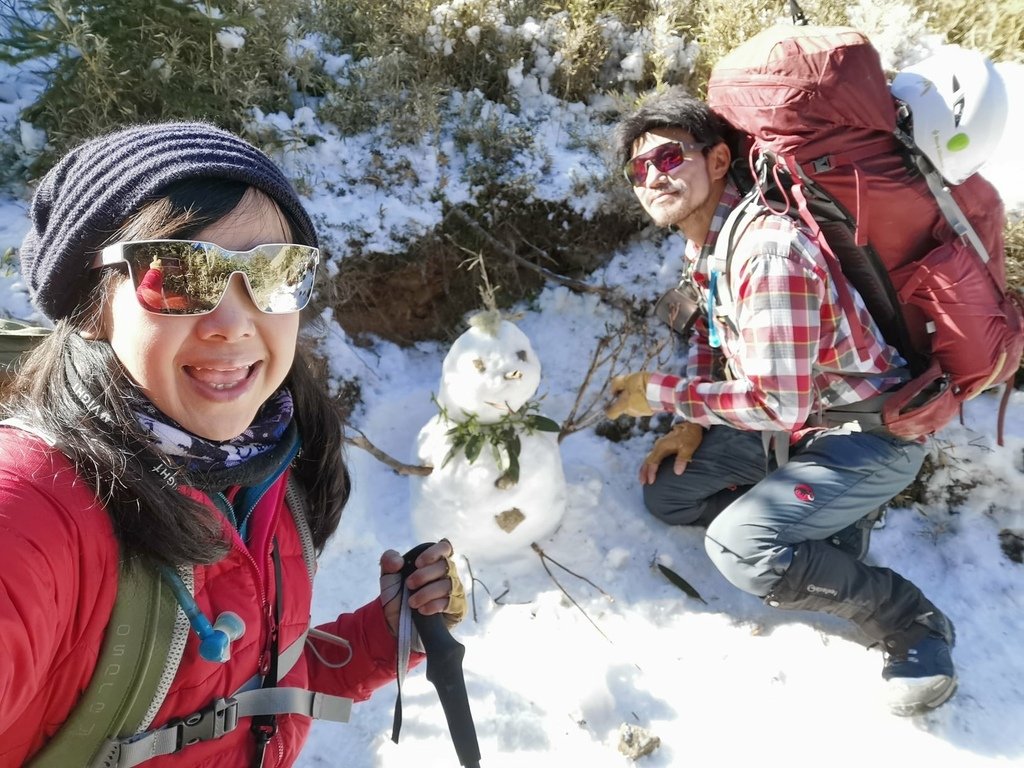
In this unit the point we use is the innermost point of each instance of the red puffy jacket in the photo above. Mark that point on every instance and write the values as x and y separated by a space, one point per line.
57 588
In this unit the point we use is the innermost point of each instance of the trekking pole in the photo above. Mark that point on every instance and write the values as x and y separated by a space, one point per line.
444 671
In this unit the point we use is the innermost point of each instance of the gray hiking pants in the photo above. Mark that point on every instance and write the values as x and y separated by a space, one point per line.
760 517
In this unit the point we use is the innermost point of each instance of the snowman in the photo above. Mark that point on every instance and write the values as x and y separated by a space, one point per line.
497 484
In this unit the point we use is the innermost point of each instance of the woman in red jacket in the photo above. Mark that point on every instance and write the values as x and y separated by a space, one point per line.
190 437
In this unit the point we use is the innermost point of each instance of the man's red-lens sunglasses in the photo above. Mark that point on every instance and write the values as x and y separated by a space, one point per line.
663 157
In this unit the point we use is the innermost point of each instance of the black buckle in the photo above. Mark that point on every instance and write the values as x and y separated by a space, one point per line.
823 164
219 718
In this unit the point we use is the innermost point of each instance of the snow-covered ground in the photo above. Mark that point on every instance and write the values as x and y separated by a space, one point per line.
723 681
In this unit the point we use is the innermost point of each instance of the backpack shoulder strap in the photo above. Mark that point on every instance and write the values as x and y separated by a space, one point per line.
130 668
749 208
956 218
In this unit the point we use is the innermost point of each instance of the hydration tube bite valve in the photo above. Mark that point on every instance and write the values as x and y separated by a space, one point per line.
214 639
215 642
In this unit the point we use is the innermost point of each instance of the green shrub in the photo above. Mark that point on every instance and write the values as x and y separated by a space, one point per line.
380 92
573 49
119 61
368 29
996 28
466 45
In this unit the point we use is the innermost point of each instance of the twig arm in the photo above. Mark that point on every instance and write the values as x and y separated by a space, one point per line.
361 441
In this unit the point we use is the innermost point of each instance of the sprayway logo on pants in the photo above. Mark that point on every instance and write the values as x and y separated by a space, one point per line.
814 589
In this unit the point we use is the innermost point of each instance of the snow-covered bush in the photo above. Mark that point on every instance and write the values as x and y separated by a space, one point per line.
111 62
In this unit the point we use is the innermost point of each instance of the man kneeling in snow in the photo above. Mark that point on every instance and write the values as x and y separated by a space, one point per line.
792 532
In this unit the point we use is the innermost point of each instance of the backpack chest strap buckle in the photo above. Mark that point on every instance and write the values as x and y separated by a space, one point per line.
214 721
211 722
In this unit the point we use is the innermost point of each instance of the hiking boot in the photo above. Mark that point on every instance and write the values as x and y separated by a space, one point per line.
855 539
918 667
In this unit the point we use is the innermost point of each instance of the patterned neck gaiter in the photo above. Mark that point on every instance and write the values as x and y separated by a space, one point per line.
197 454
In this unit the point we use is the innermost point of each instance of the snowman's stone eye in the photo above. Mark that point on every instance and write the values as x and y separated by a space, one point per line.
479 364
521 354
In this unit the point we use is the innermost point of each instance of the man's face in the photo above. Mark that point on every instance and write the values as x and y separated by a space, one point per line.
674 196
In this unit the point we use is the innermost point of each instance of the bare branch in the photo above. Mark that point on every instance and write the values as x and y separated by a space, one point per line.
472 591
625 339
402 469
612 296
572 423
545 556
543 561
488 292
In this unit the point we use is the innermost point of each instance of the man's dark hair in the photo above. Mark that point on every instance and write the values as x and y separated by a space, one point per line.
672 108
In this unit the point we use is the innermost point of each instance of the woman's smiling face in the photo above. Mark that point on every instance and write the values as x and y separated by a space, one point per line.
210 373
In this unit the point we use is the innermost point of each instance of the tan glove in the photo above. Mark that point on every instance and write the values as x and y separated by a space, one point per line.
683 441
456 610
630 392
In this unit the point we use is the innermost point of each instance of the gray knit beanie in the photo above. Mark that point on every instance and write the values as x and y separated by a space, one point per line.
97 186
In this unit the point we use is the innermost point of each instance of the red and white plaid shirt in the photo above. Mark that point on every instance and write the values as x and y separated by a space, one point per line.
788 344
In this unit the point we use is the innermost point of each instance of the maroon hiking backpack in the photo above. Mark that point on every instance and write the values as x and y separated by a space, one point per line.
818 137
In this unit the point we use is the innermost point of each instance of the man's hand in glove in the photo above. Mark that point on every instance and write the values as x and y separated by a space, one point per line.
682 441
630 392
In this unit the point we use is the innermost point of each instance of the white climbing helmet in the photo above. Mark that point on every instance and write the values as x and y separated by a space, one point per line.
958 109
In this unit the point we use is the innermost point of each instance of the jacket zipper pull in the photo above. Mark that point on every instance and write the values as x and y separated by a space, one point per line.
265 655
263 734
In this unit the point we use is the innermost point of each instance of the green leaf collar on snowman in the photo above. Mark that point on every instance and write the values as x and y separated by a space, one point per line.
470 437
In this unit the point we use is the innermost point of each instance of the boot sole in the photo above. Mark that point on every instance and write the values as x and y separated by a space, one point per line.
927 697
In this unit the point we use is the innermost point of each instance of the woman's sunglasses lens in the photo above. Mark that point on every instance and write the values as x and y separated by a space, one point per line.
281 278
183 278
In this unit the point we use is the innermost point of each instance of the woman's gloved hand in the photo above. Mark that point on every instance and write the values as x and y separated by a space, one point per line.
682 441
434 586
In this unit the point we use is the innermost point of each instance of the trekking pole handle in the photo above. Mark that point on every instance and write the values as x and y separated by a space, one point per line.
437 640
444 671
